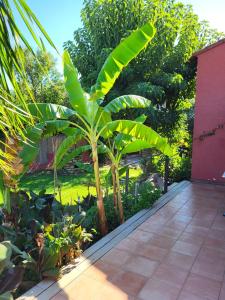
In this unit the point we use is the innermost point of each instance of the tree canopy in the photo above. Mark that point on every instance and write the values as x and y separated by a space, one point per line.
164 72
45 83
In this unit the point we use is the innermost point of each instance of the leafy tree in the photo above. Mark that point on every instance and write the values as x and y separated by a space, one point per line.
44 81
164 73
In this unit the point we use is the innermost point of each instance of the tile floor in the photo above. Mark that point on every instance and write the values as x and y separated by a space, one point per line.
177 254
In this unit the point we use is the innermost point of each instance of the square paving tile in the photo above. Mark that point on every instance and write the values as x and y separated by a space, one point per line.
129 282
208 269
203 287
102 271
202 231
186 248
141 265
192 238
189 296
152 252
162 241
80 289
141 236
158 290
116 257
128 244
110 292
180 260
171 274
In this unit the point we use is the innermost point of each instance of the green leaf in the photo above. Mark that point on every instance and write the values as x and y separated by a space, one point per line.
5 255
54 127
85 167
140 132
48 111
7 200
71 155
141 119
135 146
2 187
102 117
65 146
6 296
127 101
127 50
77 96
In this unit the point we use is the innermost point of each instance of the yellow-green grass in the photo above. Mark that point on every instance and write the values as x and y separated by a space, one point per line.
72 186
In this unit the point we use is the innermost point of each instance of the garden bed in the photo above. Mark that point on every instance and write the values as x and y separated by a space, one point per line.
48 288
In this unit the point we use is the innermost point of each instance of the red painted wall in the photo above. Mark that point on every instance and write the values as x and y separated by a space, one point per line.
208 160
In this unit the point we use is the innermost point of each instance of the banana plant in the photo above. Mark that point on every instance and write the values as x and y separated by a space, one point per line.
92 120
91 115
135 137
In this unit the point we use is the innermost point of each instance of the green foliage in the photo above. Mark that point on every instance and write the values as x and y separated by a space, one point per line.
147 195
52 234
163 73
163 65
127 101
120 57
11 275
43 83
179 167
140 132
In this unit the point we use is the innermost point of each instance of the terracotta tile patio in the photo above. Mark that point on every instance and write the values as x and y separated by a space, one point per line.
178 253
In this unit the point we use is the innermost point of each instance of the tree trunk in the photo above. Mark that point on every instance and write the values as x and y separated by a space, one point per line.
114 187
127 180
119 197
166 175
101 210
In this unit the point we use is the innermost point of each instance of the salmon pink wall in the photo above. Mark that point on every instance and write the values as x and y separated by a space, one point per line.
208 160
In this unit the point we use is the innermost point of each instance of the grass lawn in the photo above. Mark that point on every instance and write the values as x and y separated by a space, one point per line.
72 185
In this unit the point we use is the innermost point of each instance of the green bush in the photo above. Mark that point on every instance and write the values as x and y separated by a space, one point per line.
179 167
147 195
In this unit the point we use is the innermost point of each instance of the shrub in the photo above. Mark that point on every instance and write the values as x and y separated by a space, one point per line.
147 195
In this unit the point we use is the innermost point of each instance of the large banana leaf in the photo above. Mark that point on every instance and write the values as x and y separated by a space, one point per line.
54 127
78 98
135 146
127 50
127 101
76 93
71 155
48 111
65 146
121 140
140 132
102 117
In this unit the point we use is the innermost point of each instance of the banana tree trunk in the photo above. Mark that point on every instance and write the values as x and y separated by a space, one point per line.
114 187
119 196
166 175
101 210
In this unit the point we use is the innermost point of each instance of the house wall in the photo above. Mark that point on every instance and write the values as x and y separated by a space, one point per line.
208 160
